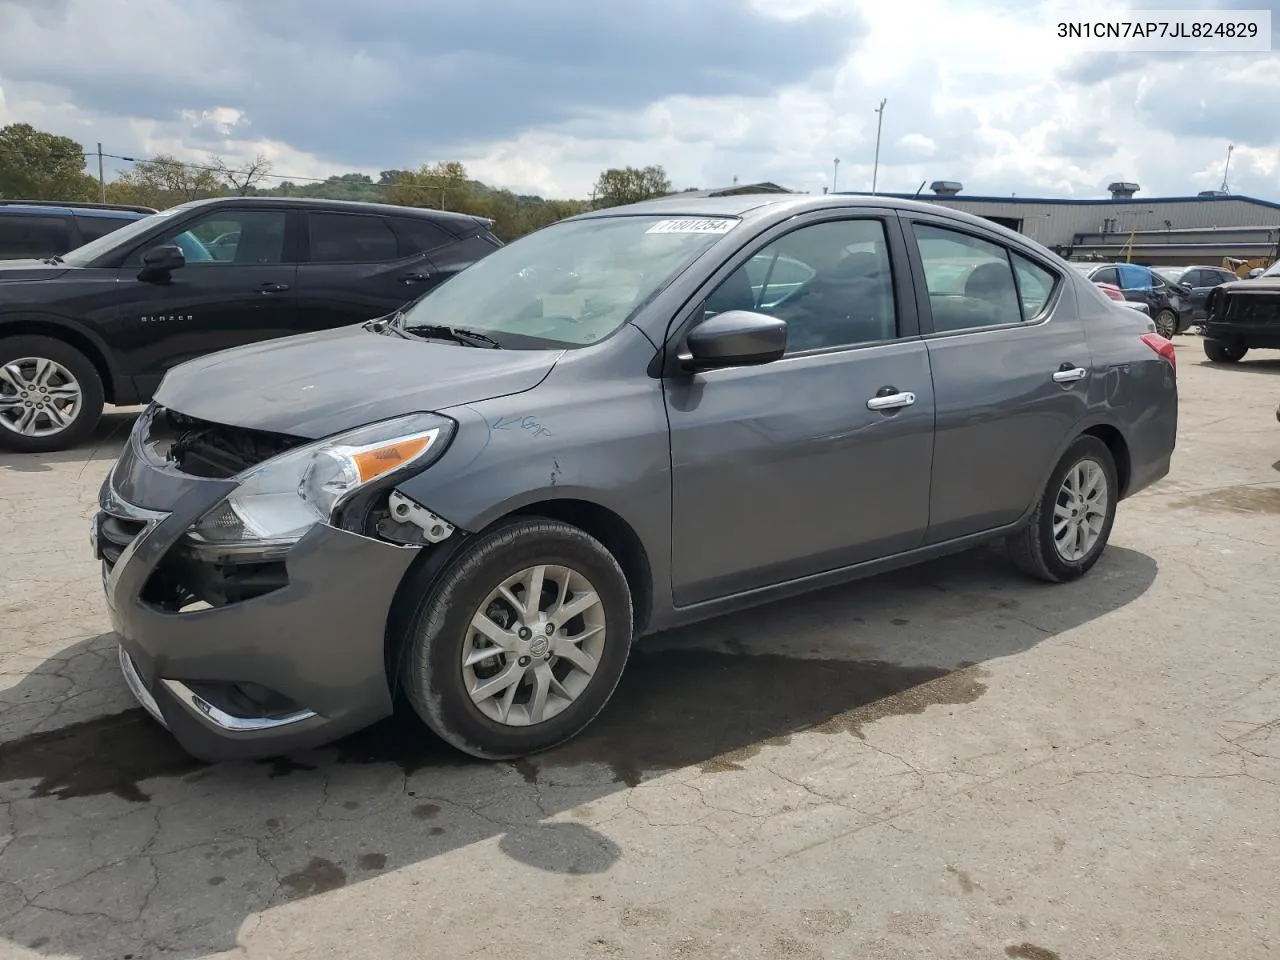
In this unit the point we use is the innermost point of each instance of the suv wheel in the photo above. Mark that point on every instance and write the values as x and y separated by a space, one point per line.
1167 324
1224 351
521 642
1072 523
51 396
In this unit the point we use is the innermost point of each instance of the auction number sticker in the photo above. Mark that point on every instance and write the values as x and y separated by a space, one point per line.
693 225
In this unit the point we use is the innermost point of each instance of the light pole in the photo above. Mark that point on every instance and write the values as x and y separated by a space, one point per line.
835 172
875 170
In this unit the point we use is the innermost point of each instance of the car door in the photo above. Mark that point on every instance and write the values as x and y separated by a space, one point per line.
1011 371
209 304
1200 282
820 459
355 269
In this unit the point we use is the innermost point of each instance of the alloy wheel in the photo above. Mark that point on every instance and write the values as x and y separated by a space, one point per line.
534 645
1080 511
38 397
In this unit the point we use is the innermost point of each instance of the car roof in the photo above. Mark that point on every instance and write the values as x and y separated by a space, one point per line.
44 210
343 206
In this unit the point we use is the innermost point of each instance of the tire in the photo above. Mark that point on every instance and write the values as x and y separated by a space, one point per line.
1033 548
1167 324
72 370
1224 351
439 632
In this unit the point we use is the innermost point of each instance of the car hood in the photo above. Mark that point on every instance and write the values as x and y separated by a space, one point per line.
318 384
11 270
1257 285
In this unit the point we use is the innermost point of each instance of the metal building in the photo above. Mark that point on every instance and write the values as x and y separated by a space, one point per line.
1159 230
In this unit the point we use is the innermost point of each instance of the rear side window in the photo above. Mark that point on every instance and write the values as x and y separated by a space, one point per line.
1106 275
1035 286
92 228
970 280
1135 278
23 237
351 238
418 235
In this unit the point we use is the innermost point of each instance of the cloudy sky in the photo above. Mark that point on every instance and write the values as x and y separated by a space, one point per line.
540 95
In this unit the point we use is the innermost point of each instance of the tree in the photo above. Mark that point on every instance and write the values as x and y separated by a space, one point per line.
617 186
243 178
162 182
442 186
35 165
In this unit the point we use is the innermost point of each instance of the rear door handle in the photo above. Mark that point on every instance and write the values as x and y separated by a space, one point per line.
891 401
1069 374
270 287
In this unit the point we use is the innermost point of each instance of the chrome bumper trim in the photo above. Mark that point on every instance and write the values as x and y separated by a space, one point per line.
220 718
140 693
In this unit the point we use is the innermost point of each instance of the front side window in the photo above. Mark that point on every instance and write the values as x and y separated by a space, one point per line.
23 237
970 280
351 238
239 237
570 284
831 282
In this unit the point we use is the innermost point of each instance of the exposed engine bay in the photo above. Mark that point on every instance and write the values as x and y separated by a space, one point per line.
212 450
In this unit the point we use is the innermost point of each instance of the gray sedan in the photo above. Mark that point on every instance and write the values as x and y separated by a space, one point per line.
630 420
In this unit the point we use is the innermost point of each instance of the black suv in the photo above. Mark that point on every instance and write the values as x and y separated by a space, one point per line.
45 228
1243 316
105 322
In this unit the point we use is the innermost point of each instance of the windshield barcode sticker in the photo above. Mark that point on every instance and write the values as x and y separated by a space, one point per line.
691 225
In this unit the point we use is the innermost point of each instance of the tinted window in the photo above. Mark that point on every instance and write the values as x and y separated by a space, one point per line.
970 280
1035 285
22 237
232 236
1223 277
419 235
92 228
350 238
830 282
1106 275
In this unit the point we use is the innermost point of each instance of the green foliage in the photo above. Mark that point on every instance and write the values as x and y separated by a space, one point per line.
621 185
164 182
35 165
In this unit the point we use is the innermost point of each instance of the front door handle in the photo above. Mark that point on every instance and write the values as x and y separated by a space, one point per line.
1069 374
270 287
891 401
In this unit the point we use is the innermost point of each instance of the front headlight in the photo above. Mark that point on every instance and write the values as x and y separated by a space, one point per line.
280 500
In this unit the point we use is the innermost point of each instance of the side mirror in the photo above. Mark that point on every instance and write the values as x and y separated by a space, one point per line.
735 338
159 261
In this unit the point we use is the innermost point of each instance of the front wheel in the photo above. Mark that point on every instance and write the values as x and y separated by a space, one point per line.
51 396
1224 351
1167 324
1071 525
522 641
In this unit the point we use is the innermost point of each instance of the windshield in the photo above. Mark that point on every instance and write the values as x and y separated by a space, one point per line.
91 251
571 284
1273 270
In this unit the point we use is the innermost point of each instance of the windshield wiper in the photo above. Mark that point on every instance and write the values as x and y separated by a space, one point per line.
461 335
387 325
54 260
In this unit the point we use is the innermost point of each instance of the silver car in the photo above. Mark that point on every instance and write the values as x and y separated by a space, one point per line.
630 420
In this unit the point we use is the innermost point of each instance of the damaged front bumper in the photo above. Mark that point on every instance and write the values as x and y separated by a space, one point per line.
243 656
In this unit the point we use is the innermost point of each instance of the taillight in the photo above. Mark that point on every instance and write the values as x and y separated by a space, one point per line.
1161 346
1111 290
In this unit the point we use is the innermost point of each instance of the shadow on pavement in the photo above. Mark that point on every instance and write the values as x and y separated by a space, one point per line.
1248 365
101 448
121 844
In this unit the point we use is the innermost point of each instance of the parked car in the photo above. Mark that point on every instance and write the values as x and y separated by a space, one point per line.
104 322
1116 295
1243 316
1199 280
610 427
1168 303
40 228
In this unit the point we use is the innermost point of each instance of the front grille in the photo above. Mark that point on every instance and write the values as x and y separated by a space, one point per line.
1253 309
114 536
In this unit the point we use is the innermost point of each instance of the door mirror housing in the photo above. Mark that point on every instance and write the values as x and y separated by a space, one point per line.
160 261
735 338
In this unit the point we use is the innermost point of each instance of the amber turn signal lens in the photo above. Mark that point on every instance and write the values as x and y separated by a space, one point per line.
376 461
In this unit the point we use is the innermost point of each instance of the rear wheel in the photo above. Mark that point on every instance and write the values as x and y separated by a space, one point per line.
521 642
1072 523
1167 324
1224 351
51 396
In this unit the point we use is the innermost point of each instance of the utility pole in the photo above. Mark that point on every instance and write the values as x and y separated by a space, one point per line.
875 170
835 172
102 180
1227 167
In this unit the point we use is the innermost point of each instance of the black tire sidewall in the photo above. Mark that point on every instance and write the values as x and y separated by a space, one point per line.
1090 448
434 681
91 392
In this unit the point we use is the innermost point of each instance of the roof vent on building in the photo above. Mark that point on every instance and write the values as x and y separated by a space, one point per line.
1122 189
946 188
1213 193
